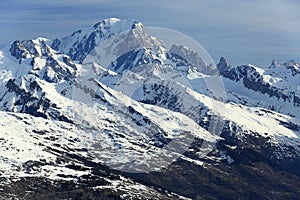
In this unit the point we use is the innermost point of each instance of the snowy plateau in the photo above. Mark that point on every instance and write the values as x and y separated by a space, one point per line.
112 112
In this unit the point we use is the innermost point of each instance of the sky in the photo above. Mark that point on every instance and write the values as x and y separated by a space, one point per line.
254 32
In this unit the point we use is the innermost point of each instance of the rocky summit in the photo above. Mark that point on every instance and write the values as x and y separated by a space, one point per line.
112 112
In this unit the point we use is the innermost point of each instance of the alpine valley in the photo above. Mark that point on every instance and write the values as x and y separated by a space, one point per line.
112 112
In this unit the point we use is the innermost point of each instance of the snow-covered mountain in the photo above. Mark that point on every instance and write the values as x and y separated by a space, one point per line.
112 112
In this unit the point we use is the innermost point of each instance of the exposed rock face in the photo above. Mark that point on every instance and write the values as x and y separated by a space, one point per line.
110 93
29 49
253 80
190 58
82 42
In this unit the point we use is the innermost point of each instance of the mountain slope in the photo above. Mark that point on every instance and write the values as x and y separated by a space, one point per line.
110 110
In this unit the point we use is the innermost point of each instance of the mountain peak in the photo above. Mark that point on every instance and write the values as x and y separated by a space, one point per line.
111 20
85 112
29 48
274 63
79 44
287 67
115 24
190 56
223 64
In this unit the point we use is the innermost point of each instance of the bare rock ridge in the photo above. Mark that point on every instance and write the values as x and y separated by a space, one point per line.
110 112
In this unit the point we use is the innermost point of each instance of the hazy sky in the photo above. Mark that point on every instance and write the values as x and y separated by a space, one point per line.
243 31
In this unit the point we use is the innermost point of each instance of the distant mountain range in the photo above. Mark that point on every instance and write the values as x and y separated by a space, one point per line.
111 112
